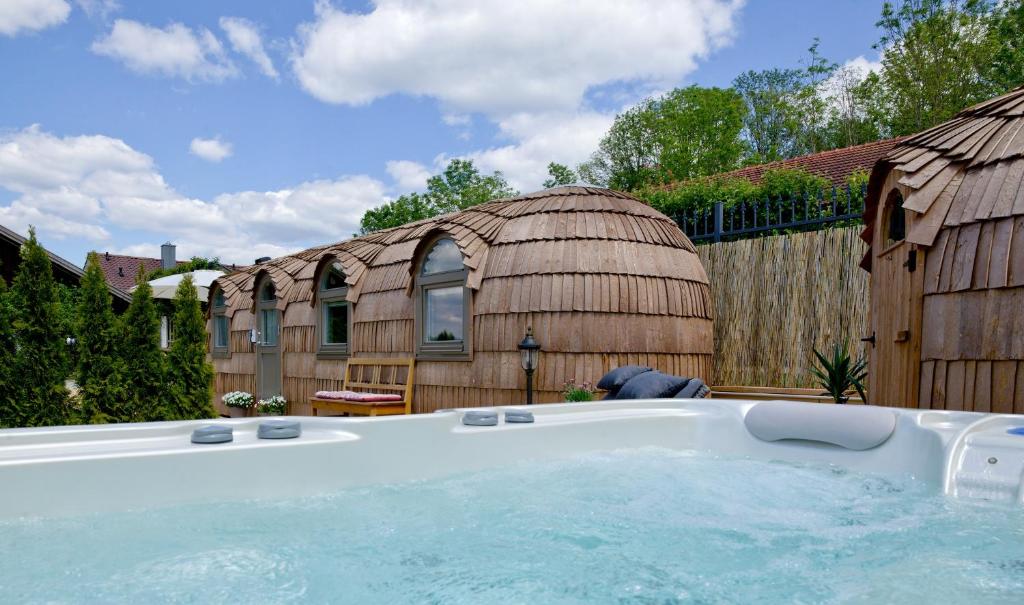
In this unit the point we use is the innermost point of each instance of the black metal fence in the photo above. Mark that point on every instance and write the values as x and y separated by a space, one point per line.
766 216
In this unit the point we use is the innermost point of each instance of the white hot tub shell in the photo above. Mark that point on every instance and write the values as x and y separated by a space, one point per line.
104 468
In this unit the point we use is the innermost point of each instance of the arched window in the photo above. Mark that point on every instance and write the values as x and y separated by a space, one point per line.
267 314
895 218
335 315
221 325
442 310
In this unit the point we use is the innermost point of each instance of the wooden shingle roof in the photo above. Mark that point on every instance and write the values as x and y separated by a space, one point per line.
963 172
611 230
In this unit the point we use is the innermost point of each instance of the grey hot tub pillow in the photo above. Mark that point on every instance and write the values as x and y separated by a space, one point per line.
651 385
613 381
855 427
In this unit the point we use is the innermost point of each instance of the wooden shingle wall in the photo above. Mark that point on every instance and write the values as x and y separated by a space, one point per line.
603 279
966 182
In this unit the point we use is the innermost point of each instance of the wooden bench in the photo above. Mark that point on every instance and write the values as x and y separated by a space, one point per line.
372 375
771 393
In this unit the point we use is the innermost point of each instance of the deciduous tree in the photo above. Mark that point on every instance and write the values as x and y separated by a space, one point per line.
460 186
559 175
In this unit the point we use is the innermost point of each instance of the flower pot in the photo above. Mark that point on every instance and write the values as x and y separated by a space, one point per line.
240 412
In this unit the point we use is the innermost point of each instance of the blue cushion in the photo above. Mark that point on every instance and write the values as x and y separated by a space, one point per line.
613 381
694 389
651 385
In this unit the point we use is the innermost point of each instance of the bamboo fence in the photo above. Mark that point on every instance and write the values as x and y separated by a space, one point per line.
777 298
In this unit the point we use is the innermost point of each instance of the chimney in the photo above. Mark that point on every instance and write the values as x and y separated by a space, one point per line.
168 258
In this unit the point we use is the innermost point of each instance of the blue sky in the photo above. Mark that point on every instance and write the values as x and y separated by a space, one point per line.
243 128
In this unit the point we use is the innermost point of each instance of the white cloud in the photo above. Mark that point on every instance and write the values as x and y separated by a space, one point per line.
99 8
89 186
211 150
537 139
173 51
499 57
408 175
31 15
530 67
245 38
862 65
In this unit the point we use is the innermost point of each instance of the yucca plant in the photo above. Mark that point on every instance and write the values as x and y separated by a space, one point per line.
839 373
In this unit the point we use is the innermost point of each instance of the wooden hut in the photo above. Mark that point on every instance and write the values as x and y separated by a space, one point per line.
603 279
945 226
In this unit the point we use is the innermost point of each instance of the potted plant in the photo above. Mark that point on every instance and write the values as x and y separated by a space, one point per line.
839 373
573 392
272 406
239 403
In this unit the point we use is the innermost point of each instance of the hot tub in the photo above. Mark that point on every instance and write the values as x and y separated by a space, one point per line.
666 501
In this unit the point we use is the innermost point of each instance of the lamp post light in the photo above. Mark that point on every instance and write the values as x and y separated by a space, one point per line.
529 352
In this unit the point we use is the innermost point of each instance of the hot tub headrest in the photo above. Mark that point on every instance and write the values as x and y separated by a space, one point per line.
854 427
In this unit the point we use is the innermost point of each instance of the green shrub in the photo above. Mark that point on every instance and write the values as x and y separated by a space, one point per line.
840 373
578 392
99 365
190 383
702 194
9 394
146 396
41 361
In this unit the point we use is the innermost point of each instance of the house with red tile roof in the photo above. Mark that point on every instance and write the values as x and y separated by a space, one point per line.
121 270
836 165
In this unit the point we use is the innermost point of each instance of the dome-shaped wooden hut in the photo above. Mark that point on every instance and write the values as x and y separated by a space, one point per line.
603 280
945 225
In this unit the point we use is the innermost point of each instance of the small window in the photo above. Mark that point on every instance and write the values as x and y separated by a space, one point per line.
443 314
335 323
335 313
220 332
221 324
444 257
442 311
268 327
334 277
896 219
267 314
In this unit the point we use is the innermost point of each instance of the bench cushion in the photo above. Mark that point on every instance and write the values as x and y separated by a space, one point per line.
373 397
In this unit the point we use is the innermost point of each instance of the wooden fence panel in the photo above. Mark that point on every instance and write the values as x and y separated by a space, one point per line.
776 298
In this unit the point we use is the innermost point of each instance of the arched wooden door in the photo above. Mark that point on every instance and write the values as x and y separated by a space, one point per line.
268 337
897 284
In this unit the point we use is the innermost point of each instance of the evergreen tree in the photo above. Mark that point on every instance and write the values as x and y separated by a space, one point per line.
9 396
191 375
41 358
144 364
99 367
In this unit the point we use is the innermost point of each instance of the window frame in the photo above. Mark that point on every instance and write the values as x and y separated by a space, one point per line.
218 312
446 350
325 297
263 306
894 202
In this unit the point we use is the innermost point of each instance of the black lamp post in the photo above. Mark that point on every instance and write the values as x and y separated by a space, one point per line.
529 352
